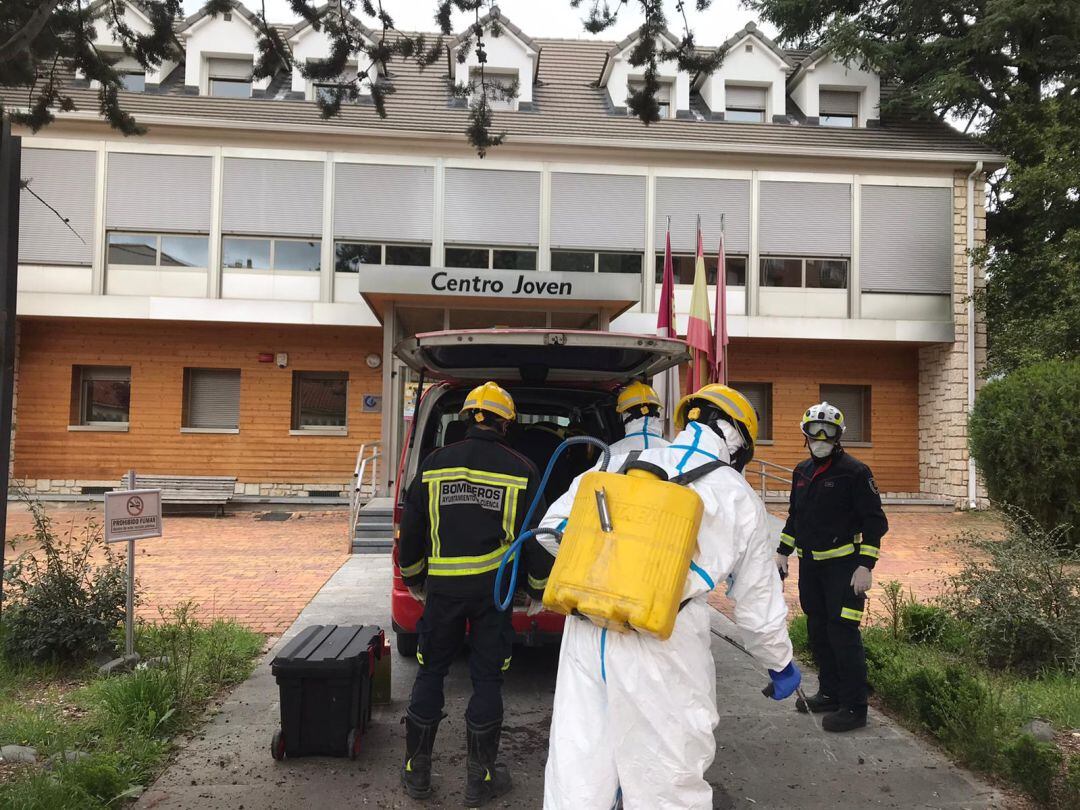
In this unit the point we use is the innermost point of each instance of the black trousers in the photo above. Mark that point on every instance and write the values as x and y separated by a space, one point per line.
833 613
441 635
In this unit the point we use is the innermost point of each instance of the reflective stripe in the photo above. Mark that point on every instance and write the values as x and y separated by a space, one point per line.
833 553
873 552
506 664
603 664
471 404
537 584
511 484
420 657
476 477
787 540
433 519
697 569
464 566
799 552
413 570
851 613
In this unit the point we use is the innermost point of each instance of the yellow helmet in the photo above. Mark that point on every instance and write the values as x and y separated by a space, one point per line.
637 395
725 399
492 398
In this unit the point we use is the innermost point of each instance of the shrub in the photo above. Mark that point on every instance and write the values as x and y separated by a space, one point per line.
1019 598
1033 764
1070 787
924 624
1025 437
64 604
800 639
142 702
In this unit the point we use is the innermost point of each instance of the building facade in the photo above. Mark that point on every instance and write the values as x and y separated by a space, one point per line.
227 296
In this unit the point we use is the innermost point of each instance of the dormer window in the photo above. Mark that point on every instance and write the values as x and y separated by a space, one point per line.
230 88
745 104
499 81
230 78
663 96
839 108
133 81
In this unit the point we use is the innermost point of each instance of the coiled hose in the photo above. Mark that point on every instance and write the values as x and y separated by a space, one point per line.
513 552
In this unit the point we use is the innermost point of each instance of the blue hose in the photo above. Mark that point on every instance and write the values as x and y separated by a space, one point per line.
514 549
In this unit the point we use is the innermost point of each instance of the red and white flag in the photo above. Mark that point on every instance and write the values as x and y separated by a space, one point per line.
665 312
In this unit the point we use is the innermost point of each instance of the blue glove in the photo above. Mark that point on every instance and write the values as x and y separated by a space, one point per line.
785 682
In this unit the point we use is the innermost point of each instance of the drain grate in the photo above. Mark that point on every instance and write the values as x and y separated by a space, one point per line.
279 516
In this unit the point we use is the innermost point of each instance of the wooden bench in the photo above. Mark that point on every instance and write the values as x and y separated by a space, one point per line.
192 491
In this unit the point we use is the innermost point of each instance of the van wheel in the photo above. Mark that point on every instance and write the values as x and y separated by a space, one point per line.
406 644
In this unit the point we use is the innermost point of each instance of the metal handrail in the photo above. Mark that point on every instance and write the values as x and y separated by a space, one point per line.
364 462
763 474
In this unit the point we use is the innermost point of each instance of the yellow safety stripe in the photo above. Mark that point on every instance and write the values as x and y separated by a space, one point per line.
472 404
433 519
537 584
413 570
420 657
787 540
465 566
870 551
833 553
509 517
476 477
851 613
799 552
506 664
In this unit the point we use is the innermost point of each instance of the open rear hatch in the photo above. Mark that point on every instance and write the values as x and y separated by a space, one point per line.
539 355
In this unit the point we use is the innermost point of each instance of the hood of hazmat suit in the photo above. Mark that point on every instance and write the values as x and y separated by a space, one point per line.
643 433
634 715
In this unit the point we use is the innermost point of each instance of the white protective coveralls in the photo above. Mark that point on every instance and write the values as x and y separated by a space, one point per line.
633 715
643 433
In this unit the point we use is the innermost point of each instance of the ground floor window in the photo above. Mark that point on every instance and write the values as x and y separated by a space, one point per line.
854 402
573 261
683 265
349 256
491 258
211 399
101 395
782 271
760 396
251 253
319 400
157 250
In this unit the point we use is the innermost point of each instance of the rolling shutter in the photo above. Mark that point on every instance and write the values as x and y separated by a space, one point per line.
852 400
485 207
758 394
66 180
684 198
229 69
134 194
838 102
804 219
906 240
597 211
272 197
384 203
745 98
213 398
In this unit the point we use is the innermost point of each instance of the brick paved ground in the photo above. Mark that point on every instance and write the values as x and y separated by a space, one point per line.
920 550
260 573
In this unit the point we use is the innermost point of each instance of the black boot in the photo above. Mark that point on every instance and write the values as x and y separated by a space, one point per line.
846 718
817 703
419 740
486 779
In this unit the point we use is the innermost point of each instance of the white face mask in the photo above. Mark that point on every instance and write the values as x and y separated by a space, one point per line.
820 449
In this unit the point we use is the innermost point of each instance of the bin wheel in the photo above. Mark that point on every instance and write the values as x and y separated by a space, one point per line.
277 746
407 643
352 743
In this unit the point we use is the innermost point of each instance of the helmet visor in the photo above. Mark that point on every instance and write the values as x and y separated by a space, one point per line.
822 430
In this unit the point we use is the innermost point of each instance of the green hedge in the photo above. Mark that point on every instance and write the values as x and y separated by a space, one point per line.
1025 437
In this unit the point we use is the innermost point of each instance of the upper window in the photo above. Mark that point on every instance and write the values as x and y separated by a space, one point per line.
482 258
230 88
746 104
854 403
684 264
760 396
133 81
211 399
319 400
499 81
838 108
101 395
295 255
663 96
569 261
158 250
829 274
349 256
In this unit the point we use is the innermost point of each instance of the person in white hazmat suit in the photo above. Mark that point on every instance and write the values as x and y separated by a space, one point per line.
639 407
634 715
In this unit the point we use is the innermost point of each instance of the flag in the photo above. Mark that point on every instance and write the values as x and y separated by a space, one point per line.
719 358
699 330
665 312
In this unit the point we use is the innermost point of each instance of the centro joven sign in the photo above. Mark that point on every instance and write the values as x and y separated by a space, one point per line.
524 284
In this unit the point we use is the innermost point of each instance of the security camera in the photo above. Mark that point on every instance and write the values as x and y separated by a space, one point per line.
281 359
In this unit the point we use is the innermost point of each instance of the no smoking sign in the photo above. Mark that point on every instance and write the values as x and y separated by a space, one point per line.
132 515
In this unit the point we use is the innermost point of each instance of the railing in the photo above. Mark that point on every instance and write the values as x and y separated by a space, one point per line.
366 469
763 471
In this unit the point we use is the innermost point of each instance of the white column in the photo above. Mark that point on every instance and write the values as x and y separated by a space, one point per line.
753 261
438 255
854 284
217 183
543 258
648 295
98 243
326 274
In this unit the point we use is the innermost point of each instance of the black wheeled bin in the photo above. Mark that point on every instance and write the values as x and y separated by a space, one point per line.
325 678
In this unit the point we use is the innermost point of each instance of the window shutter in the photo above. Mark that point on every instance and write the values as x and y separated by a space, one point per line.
67 180
804 219
838 102
747 98
484 207
213 398
230 69
402 210
759 395
112 373
134 194
273 197
683 198
851 400
597 211
906 240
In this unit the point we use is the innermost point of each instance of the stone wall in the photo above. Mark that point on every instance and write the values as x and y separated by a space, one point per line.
943 368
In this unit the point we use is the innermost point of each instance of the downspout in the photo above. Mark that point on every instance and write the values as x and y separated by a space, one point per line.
973 502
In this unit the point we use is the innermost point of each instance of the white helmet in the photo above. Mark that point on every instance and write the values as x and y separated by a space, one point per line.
823 422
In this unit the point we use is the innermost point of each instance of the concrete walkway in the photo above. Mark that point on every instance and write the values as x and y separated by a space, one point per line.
768 755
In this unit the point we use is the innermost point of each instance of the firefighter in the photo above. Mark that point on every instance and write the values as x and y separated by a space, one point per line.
835 525
639 407
464 507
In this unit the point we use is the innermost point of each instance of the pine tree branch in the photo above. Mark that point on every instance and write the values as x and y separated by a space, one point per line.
25 185
22 39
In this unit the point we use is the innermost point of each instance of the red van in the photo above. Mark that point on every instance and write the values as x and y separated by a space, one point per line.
569 378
